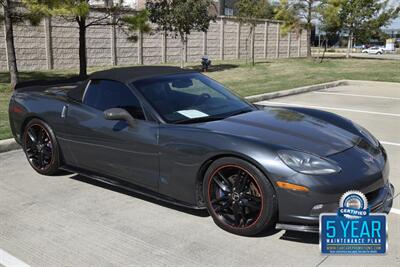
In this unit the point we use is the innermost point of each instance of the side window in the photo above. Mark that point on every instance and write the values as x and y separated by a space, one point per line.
104 94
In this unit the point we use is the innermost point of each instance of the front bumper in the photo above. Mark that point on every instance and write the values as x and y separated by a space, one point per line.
361 170
381 204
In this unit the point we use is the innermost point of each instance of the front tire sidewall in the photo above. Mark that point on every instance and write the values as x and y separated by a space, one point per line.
267 218
55 163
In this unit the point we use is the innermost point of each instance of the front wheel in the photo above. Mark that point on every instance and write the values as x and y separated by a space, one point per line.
239 197
41 147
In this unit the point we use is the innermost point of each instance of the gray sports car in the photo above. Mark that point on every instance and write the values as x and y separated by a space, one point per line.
179 136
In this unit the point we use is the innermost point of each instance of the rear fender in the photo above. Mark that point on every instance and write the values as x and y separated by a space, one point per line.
24 106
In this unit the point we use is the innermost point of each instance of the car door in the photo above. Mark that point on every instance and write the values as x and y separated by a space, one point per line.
112 148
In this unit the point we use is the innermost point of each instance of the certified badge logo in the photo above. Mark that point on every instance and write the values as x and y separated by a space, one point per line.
353 205
353 230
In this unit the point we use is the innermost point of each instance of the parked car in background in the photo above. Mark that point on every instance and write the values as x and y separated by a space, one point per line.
359 46
373 50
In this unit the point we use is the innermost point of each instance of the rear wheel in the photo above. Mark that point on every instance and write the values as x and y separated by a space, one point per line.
41 147
239 197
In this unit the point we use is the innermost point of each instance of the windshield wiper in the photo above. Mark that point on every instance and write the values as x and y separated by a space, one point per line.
200 119
213 118
239 112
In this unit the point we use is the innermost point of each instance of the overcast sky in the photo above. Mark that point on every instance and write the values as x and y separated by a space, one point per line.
396 23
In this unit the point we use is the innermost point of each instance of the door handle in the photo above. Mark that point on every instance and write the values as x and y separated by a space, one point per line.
64 112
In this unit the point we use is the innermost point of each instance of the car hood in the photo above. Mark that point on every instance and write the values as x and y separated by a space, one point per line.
286 128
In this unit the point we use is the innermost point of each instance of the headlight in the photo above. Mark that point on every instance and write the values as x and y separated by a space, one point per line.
370 138
308 163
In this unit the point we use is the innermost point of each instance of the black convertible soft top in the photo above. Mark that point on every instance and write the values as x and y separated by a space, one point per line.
125 74
128 74
45 84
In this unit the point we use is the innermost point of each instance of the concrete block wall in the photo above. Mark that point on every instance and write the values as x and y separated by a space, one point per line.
3 51
127 52
30 47
213 40
65 44
55 43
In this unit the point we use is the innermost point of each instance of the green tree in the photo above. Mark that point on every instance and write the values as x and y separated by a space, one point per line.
136 24
11 15
298 14
75 11
286 12
79 11
9 32
329 20
330 23
308 11
180 17
361 18
248 13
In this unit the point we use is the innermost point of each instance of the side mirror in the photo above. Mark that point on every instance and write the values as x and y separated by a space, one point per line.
116 114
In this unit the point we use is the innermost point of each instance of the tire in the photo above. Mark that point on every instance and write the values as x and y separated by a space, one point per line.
43 154
255 205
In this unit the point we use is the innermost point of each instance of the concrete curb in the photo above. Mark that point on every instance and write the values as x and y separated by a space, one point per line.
295 91
11 144
8 145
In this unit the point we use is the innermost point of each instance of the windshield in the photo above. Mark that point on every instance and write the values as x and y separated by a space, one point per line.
187 98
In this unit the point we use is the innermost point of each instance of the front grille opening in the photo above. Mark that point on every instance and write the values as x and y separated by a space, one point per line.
372 196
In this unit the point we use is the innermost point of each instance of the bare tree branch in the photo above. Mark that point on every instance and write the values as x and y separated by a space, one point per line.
98 20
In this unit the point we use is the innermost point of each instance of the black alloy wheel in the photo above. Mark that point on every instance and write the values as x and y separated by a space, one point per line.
239 197
40 147
235 196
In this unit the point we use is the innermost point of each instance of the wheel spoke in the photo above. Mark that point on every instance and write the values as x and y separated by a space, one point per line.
252 205
253 198
219 200
40 160
223 206
32 136
46 152
41 136
243 213
237 214
221 185
226 181
242 181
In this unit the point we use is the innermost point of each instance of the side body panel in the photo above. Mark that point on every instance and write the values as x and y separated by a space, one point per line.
184 150
111 147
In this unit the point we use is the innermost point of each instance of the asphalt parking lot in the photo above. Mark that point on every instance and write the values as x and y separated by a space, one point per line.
69 220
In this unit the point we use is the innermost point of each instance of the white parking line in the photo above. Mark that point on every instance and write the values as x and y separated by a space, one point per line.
331 108
9 260
389 143
395 211
369 96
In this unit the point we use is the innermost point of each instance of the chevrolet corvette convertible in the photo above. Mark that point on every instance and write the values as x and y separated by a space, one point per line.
181 137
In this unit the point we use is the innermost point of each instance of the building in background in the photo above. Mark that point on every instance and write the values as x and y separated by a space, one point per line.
126 3
394 41
226 7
